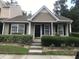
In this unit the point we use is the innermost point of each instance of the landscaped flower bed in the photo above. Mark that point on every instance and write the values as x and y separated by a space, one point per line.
21 39
58 41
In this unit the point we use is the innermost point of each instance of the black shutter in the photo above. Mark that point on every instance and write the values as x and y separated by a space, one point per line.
25 28
9 28
42 29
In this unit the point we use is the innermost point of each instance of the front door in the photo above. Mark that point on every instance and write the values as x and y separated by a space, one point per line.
37 30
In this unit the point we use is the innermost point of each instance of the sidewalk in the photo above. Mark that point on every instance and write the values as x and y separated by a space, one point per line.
35 57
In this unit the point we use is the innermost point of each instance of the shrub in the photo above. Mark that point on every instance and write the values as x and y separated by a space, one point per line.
22 39
74 34
57 41
49 40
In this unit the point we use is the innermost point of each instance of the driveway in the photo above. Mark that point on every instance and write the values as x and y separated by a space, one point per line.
35 57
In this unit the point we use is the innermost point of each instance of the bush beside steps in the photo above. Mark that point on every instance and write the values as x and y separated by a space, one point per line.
58 41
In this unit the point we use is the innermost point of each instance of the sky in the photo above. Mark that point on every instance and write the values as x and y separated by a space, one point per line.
34 5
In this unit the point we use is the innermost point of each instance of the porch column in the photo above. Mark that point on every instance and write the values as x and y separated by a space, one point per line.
67 34
3 28
51 28
70 28
29 28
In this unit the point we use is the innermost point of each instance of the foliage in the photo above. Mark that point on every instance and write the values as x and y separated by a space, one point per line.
62 7
74 34
58 41
22 39
76 2
74 15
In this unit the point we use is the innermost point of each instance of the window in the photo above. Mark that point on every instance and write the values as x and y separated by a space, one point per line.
17 28
14 28
21 28
60 29
46 29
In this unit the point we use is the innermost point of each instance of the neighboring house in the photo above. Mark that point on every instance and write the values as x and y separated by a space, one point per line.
9 10
43 22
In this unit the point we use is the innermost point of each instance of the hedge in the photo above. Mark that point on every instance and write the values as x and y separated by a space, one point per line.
58 41
74 34
22 39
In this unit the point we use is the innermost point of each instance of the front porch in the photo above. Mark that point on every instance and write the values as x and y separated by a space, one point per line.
45 29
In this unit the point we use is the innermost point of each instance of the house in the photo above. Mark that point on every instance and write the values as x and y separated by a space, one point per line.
8 10
43 22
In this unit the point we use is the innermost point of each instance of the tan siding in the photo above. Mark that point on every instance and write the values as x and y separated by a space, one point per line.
5 13
43 17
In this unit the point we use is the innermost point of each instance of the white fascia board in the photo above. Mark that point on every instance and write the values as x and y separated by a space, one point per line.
44 21
17 21
66 21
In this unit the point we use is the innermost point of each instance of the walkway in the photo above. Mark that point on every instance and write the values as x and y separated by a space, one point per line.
35 57
35 48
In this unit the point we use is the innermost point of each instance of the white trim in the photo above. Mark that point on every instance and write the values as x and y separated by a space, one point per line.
70 28
3 28
52 33
67 34
29 28
41 30
44 21
66 21
17 21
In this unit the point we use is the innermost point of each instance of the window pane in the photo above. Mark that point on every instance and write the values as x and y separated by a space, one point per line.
21 28
18 28
14 28
60 29
46 29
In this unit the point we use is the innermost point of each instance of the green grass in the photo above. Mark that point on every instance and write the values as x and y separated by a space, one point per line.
6 49
60 53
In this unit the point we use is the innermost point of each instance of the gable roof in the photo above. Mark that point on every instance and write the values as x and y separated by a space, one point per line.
58 18
44 7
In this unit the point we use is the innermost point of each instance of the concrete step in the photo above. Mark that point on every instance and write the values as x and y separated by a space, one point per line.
31 51
35 54
35 47
37 40
36 44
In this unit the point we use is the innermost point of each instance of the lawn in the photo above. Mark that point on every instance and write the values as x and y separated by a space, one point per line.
59 53
8 49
